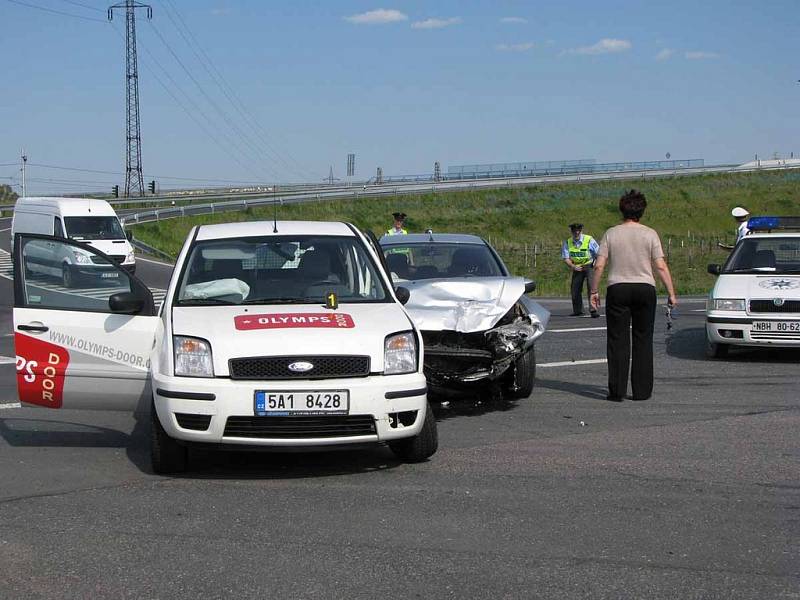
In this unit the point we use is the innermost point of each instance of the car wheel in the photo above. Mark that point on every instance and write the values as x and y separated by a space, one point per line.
715 350
524 376
423 445
67 276
166 454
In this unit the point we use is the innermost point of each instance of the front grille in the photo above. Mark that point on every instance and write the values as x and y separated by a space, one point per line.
300 427
194 422
99 260
277 367
768 306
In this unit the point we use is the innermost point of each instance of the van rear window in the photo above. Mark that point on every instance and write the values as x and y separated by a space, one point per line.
94 228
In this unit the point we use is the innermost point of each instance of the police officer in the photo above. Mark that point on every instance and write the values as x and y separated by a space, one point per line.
742 215
580 252
398 228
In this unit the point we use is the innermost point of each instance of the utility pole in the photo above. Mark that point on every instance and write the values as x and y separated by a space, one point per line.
134 179
24 160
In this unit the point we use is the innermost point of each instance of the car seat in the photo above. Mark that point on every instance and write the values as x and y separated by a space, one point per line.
764 259
398 264
468 261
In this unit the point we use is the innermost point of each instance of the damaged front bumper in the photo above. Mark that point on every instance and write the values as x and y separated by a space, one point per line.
455 359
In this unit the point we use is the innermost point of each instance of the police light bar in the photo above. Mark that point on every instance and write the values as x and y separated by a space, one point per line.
770 223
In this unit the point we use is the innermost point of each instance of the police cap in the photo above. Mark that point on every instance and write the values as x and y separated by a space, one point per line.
739 212
399 216
576 226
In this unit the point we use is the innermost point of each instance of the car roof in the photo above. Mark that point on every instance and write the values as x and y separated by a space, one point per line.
427 238
261 228
68 206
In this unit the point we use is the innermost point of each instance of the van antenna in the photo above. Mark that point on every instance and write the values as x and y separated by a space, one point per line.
275 215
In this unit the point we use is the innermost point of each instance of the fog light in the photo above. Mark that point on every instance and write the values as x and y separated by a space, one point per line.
731 333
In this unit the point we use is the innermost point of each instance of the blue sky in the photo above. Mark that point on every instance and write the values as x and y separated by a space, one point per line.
401 84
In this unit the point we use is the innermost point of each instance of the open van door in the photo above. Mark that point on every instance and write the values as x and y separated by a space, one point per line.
87 346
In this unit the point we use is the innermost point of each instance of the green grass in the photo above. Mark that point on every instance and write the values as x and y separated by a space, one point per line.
528 224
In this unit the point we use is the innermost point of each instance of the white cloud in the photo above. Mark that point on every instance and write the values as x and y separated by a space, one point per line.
514 20
604 46
696 55
523 47
378 16
436 23
665 54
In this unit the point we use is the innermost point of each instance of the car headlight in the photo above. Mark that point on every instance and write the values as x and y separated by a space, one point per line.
129 258
81 258
400 354
726 304
192 357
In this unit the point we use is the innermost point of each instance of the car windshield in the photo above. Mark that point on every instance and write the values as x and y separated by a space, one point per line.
280 270
435 260
94 228
765 255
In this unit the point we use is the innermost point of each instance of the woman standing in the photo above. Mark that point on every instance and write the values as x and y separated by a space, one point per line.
633 250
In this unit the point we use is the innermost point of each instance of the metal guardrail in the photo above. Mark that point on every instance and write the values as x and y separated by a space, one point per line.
148 249
377 191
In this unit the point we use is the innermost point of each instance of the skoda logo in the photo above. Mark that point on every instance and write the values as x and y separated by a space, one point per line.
777 301
300 366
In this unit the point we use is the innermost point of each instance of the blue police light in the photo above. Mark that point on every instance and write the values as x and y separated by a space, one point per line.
769 223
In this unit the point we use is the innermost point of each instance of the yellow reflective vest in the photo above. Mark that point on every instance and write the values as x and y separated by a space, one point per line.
391 231
580 255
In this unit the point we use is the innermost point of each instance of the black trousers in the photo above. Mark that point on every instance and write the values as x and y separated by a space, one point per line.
576 287
630 314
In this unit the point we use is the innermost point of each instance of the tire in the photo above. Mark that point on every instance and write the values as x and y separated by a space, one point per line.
166 454
715 350
423 445
524 376
68 277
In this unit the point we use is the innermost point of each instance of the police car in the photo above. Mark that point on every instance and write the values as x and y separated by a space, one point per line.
756 299
272 335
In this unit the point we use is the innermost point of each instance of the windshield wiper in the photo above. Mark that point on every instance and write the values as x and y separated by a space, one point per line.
201 301
284 300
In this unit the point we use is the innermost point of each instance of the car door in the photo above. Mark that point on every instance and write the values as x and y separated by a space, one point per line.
83 347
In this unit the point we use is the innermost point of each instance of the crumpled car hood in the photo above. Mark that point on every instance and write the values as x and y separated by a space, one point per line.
468 304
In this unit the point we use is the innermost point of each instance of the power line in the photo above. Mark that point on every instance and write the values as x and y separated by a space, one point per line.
75 3
56 12
196 108
243 135
149 175
228 90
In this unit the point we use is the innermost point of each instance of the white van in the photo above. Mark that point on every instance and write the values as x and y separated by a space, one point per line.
87 220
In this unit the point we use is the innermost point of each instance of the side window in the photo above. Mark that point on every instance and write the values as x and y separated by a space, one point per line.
59 275
58 228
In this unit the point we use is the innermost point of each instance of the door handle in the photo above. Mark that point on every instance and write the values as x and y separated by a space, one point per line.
34 327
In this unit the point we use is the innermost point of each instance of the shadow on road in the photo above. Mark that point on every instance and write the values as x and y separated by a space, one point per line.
689 344
585 390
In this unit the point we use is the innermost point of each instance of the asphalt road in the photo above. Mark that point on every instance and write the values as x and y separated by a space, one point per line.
693 494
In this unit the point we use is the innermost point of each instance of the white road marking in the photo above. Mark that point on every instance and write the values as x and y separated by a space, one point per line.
570 363
155 262
11 405
578 329
7 360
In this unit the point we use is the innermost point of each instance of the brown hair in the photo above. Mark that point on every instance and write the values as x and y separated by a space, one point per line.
632 205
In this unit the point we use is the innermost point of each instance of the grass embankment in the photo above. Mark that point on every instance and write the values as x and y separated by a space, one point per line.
528 224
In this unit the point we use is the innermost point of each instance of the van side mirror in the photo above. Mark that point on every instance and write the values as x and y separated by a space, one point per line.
402 294
128 235
126 303
530 286
714 269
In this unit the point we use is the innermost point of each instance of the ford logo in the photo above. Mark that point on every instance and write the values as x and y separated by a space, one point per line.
300 366
777 301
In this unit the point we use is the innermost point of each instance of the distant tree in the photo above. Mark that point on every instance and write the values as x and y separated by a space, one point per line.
7 195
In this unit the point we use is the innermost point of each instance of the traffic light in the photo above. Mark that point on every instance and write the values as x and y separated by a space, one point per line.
115 191
152 186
